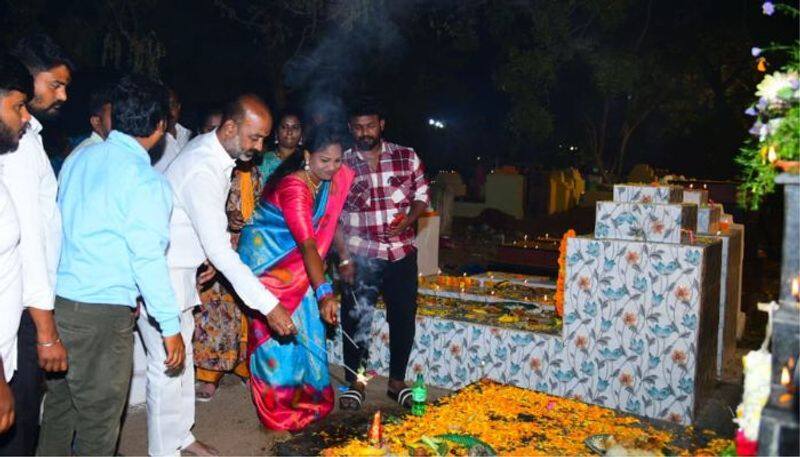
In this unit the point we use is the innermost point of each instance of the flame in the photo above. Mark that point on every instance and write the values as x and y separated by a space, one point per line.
796 288
785 378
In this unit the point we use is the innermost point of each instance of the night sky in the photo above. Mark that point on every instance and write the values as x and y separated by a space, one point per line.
510 80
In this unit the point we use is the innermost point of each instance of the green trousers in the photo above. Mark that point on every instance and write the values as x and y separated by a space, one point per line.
86 403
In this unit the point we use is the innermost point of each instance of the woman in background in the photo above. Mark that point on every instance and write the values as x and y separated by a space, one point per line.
288 138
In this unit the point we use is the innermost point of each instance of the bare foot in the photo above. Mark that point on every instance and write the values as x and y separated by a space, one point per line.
199 448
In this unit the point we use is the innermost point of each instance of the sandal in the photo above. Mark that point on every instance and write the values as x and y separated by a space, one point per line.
203 393
351 399
403 397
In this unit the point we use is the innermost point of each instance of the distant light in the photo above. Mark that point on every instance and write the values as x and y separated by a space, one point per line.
435 123
479 157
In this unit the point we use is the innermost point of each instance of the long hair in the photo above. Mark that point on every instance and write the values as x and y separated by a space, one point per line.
316 139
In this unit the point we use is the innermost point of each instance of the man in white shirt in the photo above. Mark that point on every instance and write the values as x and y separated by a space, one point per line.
177 135
99 118
201 179
15 86
29 178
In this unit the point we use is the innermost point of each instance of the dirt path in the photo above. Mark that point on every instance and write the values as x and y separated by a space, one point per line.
229 423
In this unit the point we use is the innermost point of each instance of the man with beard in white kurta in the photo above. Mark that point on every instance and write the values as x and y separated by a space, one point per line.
16 86
31 183
201 179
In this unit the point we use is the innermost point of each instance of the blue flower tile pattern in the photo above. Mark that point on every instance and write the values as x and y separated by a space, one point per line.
656 223
646 348
640 193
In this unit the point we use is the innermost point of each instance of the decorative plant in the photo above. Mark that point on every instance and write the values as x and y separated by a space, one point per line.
775 141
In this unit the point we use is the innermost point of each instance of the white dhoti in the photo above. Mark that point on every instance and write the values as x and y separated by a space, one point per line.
170 395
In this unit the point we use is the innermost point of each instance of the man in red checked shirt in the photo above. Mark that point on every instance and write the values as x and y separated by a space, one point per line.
376 247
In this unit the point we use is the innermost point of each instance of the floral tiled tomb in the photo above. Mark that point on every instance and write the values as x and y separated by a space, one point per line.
639 329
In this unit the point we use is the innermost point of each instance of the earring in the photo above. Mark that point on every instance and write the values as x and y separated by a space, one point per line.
306 166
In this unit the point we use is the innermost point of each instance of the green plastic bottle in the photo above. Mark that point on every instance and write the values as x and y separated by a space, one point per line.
419 396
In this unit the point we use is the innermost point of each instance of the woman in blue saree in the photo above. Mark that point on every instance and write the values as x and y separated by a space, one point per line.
285 244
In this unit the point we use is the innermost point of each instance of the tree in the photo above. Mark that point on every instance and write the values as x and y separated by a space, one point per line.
607 71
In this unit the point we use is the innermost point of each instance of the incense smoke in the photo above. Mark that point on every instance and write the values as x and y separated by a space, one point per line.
362 38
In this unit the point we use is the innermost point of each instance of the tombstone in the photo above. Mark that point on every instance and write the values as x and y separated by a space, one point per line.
444 189
506 193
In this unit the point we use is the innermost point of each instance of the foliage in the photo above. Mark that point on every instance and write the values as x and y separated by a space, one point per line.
775 138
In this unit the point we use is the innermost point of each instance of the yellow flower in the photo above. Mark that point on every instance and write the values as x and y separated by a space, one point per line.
518 421
772 156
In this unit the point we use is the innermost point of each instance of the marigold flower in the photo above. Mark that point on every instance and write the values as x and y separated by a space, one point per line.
762 65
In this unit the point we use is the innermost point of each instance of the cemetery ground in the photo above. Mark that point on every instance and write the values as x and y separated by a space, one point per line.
230 424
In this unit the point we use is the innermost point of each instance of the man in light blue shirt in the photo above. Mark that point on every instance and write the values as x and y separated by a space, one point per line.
115 211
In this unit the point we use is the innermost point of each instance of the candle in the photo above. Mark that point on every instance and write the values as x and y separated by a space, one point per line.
725 222
785 377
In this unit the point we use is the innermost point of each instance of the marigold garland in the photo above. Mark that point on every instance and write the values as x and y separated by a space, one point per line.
517 421
562 271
